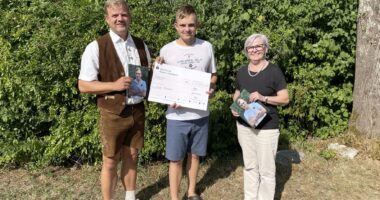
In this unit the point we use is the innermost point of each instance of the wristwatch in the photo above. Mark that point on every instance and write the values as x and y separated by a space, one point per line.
265 99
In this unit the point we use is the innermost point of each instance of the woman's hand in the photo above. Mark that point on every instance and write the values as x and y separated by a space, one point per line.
234 113
256 96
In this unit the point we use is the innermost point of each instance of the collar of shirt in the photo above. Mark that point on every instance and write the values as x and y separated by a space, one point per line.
135 80
117 39
125 50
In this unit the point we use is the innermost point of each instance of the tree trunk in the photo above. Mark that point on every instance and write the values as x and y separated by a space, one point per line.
365 116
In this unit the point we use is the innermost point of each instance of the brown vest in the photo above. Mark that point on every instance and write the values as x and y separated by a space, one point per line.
111 69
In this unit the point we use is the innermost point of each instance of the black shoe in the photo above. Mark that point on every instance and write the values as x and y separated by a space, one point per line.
196 197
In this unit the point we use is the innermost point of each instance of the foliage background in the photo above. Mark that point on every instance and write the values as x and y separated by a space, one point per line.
44 120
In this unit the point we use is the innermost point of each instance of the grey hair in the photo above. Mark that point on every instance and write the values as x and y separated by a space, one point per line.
253 37
110 3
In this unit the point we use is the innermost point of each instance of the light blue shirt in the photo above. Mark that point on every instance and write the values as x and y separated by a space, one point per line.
138 87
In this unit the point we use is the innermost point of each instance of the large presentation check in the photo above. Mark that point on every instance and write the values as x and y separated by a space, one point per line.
186 87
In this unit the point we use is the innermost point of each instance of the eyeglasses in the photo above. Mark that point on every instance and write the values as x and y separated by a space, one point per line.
259 47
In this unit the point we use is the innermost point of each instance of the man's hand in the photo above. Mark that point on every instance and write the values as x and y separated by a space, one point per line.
210 92
174 105
122 83
159 60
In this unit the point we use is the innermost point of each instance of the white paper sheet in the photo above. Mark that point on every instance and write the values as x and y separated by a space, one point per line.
186 87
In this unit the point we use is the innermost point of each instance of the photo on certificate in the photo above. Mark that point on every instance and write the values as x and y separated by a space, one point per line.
140 83
251 112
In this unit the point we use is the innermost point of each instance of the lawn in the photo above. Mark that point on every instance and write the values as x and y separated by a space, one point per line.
315 177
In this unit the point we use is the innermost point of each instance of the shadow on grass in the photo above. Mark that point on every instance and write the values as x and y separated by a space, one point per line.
153 189
221 167
285 157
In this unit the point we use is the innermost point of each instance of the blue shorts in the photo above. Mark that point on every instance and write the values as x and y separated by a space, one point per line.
184 137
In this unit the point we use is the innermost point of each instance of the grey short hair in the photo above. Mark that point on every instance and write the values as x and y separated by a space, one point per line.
110 3
253 37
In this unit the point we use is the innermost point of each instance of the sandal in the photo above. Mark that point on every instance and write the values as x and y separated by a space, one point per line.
196 197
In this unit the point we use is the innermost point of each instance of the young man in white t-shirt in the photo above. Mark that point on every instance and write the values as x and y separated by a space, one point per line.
187 129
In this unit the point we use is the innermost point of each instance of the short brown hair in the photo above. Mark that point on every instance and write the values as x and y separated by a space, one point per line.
185 11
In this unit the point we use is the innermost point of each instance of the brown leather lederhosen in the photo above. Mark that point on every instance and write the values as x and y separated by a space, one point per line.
120 124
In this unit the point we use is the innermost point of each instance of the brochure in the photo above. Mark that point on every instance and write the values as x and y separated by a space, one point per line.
141 80
252 113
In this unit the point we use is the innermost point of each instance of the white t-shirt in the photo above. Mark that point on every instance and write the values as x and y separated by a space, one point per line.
199 56
126 51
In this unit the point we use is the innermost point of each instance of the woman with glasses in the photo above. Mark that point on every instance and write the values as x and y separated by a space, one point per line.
266 83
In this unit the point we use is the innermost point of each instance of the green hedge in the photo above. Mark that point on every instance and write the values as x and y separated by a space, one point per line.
44 120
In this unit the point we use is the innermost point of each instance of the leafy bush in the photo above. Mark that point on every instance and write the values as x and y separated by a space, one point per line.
43 116
44 119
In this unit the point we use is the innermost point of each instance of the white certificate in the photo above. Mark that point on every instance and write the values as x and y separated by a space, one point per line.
186 87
